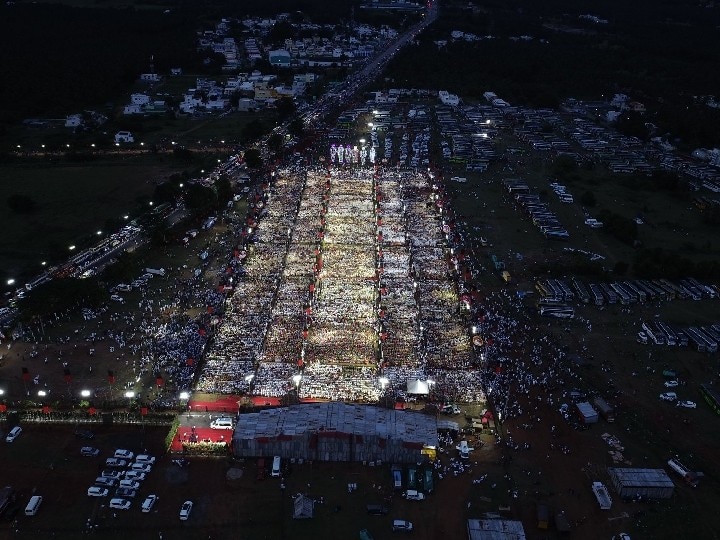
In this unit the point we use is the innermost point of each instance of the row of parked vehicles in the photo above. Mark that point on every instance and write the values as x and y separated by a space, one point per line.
123 473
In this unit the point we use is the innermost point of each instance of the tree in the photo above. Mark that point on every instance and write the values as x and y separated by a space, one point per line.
224 190
275 142
166 192
588 199
296 127
285 108
621 268
253 158
21 204
200 198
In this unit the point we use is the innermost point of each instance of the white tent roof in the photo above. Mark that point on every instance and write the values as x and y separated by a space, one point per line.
416 386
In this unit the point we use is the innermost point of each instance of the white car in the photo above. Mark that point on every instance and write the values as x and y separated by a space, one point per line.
141 467
131 484
97 491
104 481
149 502
687 404
671 384
14 434
135 475
115 462
668 396
413 495
185 510
89 451
123 454
143 458
119 504
117 298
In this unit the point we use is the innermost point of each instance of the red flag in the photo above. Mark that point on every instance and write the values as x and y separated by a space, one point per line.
92 411
143 411
46 409
3 407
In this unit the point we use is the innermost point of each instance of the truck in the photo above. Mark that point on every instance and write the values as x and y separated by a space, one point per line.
602 495
605 409
686 474
156 271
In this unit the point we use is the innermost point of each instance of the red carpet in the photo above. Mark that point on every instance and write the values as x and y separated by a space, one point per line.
228 404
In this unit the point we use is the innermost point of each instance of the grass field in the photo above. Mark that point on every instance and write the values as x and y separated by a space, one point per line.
74 201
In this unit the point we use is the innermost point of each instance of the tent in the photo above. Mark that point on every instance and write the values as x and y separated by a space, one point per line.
304 507
416 386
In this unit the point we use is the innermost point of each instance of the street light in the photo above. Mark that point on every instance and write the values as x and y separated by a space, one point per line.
99 233
85 393
10 281
296 379
184 395
44 263
72 247
42 393
384 381
129 394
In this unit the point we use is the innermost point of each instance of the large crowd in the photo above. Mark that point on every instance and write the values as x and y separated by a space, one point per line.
344 278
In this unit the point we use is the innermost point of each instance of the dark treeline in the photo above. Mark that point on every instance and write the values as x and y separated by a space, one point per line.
662 54
56 59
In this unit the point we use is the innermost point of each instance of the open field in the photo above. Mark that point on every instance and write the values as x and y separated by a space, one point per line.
73 201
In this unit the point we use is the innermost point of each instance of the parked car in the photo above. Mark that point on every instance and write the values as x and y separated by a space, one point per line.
96 491
149 502
143 458
413 495
126 492
105 481
687 404
668 396
377 509
671 384
89 451
135 475
131 484
123 454
14 434
451 409
119 504
402 525
115 462
185 510
141 467
111 473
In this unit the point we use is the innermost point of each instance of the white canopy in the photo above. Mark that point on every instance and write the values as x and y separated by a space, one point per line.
416 386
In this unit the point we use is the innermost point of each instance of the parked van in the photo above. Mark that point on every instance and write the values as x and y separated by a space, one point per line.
222 423
275 467
464 450
32 506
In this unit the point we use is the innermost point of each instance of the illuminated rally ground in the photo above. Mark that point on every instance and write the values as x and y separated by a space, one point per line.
349 289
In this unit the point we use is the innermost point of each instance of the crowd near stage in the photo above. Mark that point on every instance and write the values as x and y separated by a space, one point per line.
347 284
